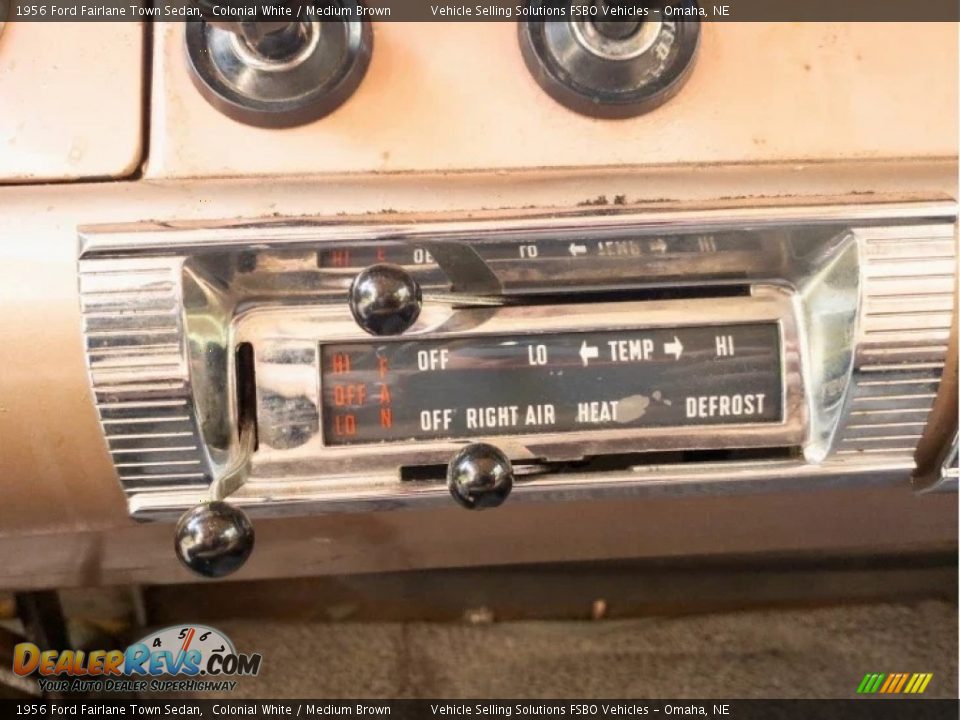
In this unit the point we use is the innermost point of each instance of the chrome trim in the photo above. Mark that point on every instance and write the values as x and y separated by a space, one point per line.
136 355
283 334
643 481
200 236
863 350
907 276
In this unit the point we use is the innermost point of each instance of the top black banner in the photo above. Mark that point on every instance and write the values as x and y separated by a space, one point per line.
619 709
484 11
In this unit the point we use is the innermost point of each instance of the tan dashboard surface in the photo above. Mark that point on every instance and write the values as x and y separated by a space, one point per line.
448 119
457 96
63 518
71 100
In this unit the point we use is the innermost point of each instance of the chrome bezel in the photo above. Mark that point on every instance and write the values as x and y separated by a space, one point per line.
274 331
841 321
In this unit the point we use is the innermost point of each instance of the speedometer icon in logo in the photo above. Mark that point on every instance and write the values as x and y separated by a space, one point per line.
189 650
206 640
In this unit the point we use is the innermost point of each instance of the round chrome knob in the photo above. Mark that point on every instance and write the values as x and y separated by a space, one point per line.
214 540
278 74
618 63
480 476
385 299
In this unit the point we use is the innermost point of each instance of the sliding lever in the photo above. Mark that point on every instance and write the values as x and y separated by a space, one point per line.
216 538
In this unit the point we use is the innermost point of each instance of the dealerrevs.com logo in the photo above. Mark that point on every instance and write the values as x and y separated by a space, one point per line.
181 658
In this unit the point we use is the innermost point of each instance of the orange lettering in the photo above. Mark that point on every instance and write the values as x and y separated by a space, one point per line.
95 662
48 661
26 657
341 363
340 258
68 663
348 395
345 425
113 662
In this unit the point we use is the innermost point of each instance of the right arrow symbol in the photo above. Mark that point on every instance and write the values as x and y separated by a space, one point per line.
674 348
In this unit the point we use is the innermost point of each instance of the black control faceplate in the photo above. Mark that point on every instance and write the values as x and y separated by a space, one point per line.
551 383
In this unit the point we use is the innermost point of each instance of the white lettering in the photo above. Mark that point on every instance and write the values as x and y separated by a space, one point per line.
597 411
632 350
540 415
432 359
434 420
537 354
422 257
487 418
725 347
708 406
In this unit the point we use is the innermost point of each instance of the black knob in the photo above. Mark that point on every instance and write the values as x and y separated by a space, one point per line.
385 299
480 476
214 540
624 22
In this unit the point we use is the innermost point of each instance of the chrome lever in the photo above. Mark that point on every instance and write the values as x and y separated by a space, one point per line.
216 538
235 475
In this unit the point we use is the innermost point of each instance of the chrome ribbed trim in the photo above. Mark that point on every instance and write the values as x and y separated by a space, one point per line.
138 347
908 274
136 356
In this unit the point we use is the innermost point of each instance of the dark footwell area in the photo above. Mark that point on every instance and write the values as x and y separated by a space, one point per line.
785 627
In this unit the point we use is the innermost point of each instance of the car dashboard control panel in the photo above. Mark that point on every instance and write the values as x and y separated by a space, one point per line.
308 365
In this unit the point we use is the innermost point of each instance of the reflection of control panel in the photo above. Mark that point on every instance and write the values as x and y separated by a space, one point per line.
303 366
564 382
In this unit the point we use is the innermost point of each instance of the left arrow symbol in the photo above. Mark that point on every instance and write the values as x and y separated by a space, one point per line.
674 348
577 249
588 353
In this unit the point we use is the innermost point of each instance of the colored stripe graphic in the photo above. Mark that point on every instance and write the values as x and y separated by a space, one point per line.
894 683
900 683
871 683
918 683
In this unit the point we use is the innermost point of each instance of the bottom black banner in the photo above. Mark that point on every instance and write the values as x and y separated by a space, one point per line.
868 709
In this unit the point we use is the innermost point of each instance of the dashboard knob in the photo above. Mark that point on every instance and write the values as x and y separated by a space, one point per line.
624 60
620 26
278 73
480 476
214 539
385 299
